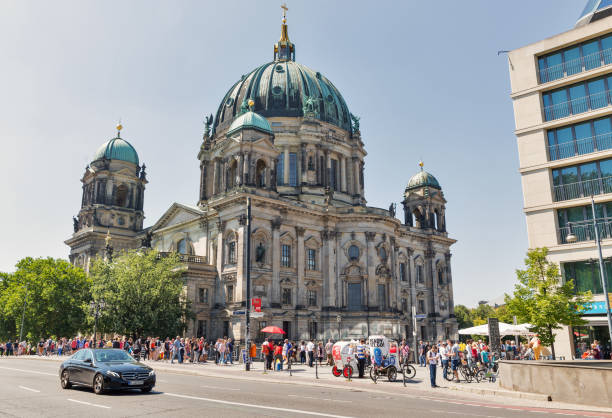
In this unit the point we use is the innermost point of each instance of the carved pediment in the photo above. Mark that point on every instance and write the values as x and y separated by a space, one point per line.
177 214
382 270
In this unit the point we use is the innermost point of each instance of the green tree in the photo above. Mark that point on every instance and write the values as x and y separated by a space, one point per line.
143 294
543 300
56 295
482 313
464 316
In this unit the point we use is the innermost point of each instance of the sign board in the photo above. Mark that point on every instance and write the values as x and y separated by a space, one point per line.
420 316
257 314
494 337
594 308
256 302
239 312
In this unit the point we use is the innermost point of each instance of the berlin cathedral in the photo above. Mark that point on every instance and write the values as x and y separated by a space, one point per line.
324 264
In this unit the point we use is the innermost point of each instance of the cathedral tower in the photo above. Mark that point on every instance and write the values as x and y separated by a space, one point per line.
112 202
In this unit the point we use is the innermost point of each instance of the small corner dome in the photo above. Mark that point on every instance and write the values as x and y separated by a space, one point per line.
423 179
250 120
117 149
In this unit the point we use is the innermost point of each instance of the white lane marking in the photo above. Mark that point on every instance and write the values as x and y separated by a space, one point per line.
217 387
249 405
89 403
28 371
319 399
561 413
30 389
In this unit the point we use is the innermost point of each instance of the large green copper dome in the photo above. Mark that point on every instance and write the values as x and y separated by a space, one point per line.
117 149
285 88
423 179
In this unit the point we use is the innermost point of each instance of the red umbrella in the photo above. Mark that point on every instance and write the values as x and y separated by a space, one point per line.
273 330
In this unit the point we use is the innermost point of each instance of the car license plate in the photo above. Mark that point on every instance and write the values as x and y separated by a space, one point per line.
135 382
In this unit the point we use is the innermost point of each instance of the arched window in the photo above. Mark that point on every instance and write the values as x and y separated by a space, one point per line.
233 170
121 195
260 174
181 247
382 253
353 252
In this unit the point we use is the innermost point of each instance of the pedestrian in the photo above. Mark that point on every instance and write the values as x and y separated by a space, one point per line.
432 360
444 351
230 351
328 352
361 360
302 352
176 345
422 353
454 357
320 353
310 349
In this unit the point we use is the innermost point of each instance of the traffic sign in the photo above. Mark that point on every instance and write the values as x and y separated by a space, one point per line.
257 314
239 312
420 316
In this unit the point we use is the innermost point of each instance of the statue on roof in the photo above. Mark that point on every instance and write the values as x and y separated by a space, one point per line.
208 121
355 120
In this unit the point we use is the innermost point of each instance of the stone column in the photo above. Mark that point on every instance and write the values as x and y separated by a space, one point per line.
215 184
412 283
286 166
327 170
356 176
394 283
240 167
343 174
302 168
301 259
241 262
449 283
433 293
220 252
202 180
276 223
371 264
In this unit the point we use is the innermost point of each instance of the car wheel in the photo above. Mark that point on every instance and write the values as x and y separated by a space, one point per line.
98 385
65 380
146 389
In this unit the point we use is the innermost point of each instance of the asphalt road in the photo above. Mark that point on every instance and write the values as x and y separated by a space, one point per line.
30 388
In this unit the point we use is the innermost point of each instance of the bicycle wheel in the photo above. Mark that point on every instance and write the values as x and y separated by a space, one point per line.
481 375
409 371
465 373
391 374
448 374
373 374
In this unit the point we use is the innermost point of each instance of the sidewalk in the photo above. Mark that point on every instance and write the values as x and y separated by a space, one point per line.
304 375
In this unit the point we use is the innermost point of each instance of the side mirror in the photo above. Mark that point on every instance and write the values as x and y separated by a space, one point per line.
87 360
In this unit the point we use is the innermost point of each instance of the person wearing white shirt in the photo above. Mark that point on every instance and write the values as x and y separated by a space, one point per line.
310 348
432 360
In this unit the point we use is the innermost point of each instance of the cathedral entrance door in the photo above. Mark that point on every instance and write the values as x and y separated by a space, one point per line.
354 297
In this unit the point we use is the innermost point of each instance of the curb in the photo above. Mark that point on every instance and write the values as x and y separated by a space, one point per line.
503 393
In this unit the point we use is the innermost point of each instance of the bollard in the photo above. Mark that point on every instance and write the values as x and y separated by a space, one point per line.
289 366
316 370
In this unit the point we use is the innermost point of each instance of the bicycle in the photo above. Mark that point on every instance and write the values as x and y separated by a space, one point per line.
408 370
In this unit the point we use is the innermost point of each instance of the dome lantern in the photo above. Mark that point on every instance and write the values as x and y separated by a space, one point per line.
284 50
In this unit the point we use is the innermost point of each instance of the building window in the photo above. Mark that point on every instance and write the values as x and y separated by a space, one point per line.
312 298
292 169
382 253
354 296
586 275
575 59
382 297
404 305
201 332
333 172
579 221
419 274
312 259
231 252
402 271
581 138
421 306
582 180
230 293
287 296
181 246
203 295
440 277
286 255
353 252
280 169
577 98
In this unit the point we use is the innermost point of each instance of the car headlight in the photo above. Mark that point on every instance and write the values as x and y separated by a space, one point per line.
111 373
152 373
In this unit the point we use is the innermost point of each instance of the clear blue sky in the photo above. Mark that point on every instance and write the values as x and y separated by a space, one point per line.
423 75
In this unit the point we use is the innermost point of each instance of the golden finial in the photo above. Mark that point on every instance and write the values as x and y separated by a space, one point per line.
107 240
421 164
119 128
285 8
251 104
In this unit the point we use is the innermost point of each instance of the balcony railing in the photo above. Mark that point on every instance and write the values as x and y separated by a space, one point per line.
580 146
583 189
575 66
585 230
578 105
185 258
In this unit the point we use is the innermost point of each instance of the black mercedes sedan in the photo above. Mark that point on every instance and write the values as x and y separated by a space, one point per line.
106 369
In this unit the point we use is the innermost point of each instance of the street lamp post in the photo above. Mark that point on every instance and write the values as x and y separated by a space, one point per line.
339 319
248 286
25 303
571 238
96 308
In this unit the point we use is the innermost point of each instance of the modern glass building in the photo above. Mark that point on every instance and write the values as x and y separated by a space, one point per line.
562 97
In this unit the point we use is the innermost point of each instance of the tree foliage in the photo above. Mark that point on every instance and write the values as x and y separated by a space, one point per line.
56 292
464 316
143 294
543 300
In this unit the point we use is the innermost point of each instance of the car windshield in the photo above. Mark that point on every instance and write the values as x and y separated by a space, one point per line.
112 355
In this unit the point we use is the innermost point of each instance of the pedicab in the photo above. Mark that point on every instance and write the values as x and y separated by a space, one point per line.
344 365
384 356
